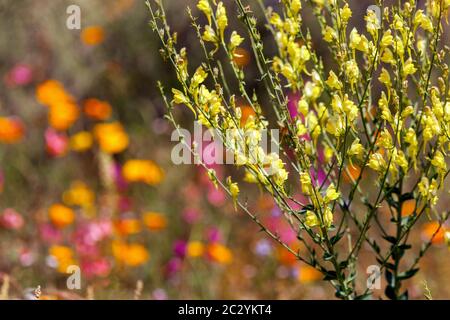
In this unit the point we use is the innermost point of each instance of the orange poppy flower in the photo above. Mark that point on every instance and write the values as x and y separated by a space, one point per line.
142 171
429 229
219 253
111 137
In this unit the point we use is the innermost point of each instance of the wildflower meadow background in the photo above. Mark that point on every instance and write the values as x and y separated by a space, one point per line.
87 178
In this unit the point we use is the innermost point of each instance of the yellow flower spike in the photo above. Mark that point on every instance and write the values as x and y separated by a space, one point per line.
305 180
234 191
329 34
331 194
203 6
327 217
345 13
209 35
180 98
311 219
222 20
333 81
385 78
409 68
377 162
235 40
356 149
198 78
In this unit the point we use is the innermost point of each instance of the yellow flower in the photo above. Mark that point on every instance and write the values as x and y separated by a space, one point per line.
234 190
203 6
154 221
377 162
81 141
219 253
384 77
333 81
63 256
311 219
345 13
222 20
132 255
356 149
331 194
111 137
195 249
142 171
60 215
180 98
329 34
235 40
409 68
305 180
79 194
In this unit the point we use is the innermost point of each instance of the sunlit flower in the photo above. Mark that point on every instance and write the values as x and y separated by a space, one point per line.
132 255
79 194
63 256
92 35
81 141
62 115
195 249
142 171
51 92
111 137
60 215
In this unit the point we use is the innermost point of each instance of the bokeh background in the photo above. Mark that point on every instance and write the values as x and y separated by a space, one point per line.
86 176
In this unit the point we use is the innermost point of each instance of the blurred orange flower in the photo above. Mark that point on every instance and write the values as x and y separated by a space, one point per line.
154 221
79 194
63 115
111 137
408 207
308 274
97 109
132 255
128 226
353 173
247 111
50 92
429 229
219 253
11 130
81 141
60 215
63 256
92 35
142 171
195 249
241 57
